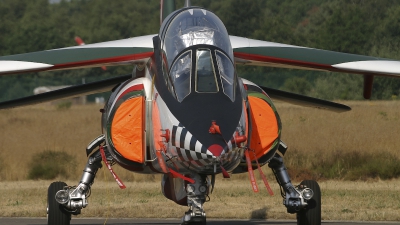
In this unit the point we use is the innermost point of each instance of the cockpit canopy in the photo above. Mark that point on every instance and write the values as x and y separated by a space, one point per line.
198 55
194 27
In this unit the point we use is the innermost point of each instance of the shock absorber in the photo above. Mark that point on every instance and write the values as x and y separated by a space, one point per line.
75 198
293 200
280 172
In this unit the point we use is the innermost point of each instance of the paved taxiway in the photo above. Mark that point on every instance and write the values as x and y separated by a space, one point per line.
92 221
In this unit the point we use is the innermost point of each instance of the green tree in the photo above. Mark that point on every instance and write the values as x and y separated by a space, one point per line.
298 85
357 26
241 18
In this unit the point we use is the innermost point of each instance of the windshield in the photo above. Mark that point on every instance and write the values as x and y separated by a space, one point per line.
205 76
180 75
195 27
227 74
209 68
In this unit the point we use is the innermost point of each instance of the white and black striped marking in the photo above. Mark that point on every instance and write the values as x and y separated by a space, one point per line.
189 149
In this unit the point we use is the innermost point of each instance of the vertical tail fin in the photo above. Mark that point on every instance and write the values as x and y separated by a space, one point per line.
187 3
166 7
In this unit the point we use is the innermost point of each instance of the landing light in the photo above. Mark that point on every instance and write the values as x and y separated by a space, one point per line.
307 193
62 196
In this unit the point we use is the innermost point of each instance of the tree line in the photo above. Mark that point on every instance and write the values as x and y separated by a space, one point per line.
369 27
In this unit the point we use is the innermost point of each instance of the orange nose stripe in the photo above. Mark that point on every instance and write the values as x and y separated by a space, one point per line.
216 149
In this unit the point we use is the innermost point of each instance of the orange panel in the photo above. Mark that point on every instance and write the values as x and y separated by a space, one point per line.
127 129
264 124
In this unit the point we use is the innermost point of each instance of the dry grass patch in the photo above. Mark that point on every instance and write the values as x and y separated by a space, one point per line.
316 138
322 144
360 144
28 131
51 164
373 201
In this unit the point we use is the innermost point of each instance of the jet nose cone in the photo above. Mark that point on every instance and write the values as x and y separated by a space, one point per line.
215 149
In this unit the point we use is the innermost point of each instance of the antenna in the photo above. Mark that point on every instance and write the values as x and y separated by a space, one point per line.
187 3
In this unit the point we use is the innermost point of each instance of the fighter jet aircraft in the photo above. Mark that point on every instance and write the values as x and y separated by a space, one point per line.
185 113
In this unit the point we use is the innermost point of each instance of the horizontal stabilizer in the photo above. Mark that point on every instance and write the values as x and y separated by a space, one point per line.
303 100
83 89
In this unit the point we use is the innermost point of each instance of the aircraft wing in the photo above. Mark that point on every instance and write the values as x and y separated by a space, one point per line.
303 100
68 92
263 53
131 50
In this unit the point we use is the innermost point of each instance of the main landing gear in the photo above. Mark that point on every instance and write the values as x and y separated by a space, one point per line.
304 199
64 201
311 214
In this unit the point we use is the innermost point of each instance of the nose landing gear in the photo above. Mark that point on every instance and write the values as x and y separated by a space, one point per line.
196 196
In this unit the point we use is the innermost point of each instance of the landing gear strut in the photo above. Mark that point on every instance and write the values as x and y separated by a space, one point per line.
64 201
196 196
304 199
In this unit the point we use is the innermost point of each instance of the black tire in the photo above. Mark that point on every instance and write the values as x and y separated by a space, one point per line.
56 214
311 215
197 223
202 222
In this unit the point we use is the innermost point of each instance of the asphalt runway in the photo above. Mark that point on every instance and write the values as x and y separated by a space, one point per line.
100 221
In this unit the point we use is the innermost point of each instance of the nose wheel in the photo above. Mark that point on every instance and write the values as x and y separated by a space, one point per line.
188 219
56 214
311 214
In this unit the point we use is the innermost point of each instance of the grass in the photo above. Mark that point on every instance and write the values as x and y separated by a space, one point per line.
28 131
353 165
341 200
51 164
361 146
